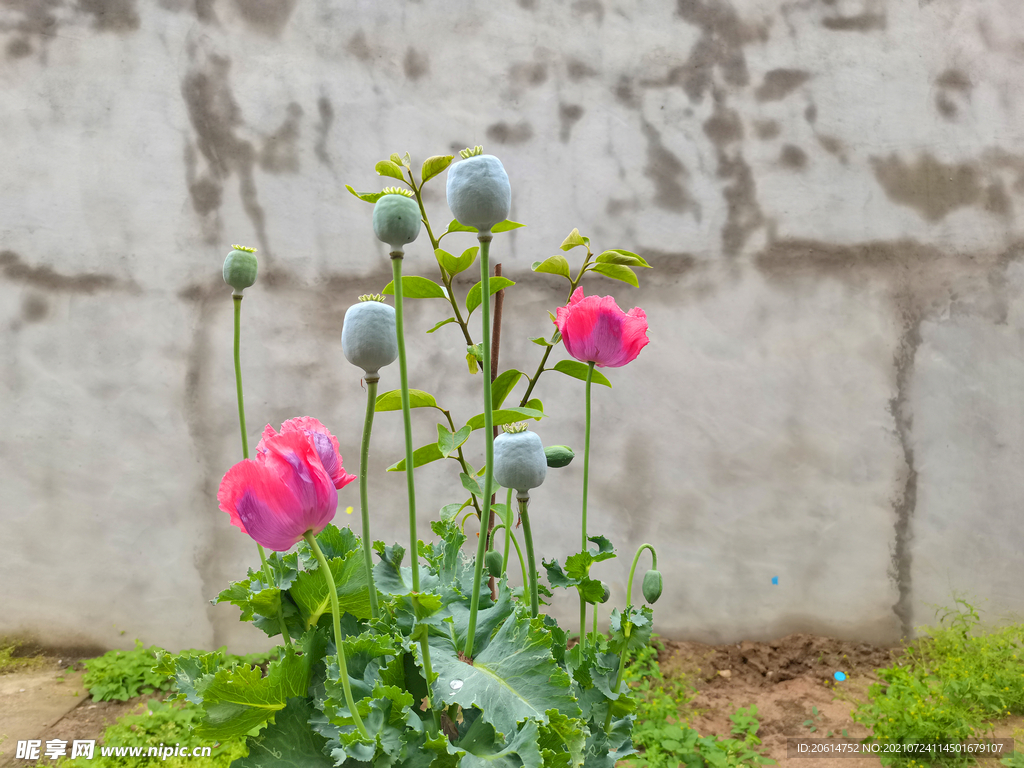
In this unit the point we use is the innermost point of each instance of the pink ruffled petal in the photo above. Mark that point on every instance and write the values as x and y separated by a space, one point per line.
326 445
261 447
594 329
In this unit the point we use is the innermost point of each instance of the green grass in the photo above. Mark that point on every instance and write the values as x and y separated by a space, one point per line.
948 687
9 662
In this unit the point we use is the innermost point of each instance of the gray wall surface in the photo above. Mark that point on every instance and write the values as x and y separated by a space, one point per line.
830 192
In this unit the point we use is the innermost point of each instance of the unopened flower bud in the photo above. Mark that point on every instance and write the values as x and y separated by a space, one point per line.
652 586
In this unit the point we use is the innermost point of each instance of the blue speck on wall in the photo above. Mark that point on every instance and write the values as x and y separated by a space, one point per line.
775 580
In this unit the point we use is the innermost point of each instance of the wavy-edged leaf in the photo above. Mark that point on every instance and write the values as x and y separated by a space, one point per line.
578 370
392 400
514 678
554 265
433 166
422 455
389 168
506 416
288 742
504 384
605 549
415 287
313 597
625 258
616 272
369 197
495 284
485 749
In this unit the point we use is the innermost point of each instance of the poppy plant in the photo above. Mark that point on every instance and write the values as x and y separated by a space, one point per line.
595 330
289 488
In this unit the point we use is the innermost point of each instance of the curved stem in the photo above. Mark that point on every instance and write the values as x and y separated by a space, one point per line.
508 530
485 307
632 570
245 453
509 535
336 615
364 494
396 269
523 498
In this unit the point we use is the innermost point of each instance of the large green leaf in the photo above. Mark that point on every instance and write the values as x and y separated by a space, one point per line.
564 739
422 455
415 287
313 597
555 265
504 384
242 698
484 749
392 401
514 678
578 370
433 166
625 258
506 416
494 285
616 272
449 442
289 742
388 168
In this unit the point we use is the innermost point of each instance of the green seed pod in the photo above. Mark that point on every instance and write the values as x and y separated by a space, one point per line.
559 455
652 586
519 460
493 562
607 593
396 219
240 268
368 336
479 194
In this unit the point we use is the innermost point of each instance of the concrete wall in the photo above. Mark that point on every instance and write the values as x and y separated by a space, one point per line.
830 192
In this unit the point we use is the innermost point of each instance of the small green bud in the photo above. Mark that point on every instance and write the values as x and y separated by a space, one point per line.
607 593
559 455
652 586
240 268
493 562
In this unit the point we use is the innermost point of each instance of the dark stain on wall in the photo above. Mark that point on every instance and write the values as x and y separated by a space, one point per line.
625 93
415 64
724 128
720 46
953 88
267 16
280 153
111 15
864 22
48 280
779 83
767 129
833 146
326 110
19 48
793 157
930 187
530 5
206 195
503 133
568 114
358 46
32 19
34 308
997 201
584 7
578 70
668 263
214 115
666 171
528 73
811 114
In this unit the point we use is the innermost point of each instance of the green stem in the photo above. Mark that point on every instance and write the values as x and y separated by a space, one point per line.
586 484
425 652
336 615
485 307
508 530
396 269
523 497
632 570
461 458
618 684
245 452
509 535
593 637
364 495
583 618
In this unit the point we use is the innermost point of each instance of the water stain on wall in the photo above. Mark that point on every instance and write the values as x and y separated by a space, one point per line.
326 111
952 93
415 64
280 152
793 157
864 22
111 15
668 174
578 70
267 16
528 73
588 7
930 187
45 278
568 114
833 146
503 133
720 46
779 83
359 47
34 307
767 129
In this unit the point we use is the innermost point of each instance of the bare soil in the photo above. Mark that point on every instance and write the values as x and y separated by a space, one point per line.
786 680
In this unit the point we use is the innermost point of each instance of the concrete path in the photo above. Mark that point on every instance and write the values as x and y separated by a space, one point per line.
31 703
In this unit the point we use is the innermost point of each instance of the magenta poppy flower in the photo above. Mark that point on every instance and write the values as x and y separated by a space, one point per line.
289 488
594 329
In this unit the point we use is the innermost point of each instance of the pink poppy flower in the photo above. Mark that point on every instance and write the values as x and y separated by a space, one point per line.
289 488
594 329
